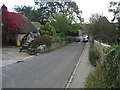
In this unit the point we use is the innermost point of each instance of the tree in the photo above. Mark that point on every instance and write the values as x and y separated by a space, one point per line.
39 15
61 14
70 9
115 8
47 29
25 10
101 29
74 29
92 27
94 17
48 10
61 24
12 22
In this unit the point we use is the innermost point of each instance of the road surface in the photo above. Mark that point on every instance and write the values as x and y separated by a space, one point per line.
50 70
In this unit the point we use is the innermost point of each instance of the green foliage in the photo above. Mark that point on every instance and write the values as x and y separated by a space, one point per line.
114 10
111 67
106 74
61 24
47 10
47 29
56 39
61 14
96 79
42 40
101 29
63 38
94 56
70 9
25 10
74 29
64 27
69 39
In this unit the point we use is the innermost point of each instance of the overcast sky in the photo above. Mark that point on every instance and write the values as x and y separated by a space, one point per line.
88 7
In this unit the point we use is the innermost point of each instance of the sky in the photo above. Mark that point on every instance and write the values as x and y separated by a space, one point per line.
88 7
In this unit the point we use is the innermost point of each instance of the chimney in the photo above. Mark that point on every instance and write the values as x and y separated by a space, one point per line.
4 8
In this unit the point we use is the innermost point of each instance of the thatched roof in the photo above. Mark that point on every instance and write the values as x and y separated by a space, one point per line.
36 24
28 27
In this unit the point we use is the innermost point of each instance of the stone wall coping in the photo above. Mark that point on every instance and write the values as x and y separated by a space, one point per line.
103 44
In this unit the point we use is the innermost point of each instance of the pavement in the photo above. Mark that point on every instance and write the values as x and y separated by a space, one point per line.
83 69
12 55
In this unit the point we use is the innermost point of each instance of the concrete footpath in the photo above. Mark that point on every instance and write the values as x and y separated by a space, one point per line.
83 69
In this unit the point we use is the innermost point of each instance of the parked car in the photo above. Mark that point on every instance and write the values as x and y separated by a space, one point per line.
82 38
85 39
77 39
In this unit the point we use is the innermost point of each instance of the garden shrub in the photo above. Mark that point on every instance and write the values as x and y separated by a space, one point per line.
63 38
96 79
94 56
42 40
106 74
56 39
69 39
111 67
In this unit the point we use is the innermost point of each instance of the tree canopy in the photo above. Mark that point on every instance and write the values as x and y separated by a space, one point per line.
47 29
48 10
64 16
101 29
115 9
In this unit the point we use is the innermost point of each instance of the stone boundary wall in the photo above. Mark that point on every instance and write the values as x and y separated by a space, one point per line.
57 45
100 46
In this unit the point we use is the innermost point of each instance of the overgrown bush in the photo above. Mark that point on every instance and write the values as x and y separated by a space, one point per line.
111 67
69 39
106 74
42 40
63 38
56 39
94 56
96 79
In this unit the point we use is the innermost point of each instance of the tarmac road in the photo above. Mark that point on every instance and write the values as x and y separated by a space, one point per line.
50 70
